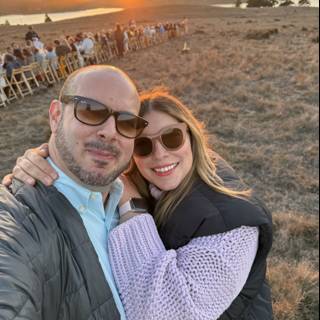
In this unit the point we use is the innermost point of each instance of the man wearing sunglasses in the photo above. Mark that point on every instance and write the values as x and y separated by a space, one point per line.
53 240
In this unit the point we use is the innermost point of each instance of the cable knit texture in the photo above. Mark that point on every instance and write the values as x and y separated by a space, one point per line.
197 282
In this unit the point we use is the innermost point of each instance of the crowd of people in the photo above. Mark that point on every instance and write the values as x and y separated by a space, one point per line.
115 42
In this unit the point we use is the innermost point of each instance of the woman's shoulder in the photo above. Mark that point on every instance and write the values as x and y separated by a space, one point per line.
205 212
221 212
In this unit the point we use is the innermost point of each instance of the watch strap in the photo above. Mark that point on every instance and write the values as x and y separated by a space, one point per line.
134 205
125 208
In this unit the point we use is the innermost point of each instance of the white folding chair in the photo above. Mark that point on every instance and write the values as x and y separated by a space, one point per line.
31 72
3 97
7 91
19 82
47 74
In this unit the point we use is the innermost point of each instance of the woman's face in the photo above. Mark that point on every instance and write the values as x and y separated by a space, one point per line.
164 168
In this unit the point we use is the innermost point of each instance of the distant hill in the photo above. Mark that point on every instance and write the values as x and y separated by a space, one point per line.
35 6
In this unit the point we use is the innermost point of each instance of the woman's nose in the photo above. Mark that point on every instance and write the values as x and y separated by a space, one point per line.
159 151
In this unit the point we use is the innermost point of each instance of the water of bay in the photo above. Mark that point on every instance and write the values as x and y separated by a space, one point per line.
32 19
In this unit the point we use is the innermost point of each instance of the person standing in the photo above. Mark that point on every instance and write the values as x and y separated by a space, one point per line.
31 34
185 25
119 38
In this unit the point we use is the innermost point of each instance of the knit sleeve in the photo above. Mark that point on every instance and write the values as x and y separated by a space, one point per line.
196 282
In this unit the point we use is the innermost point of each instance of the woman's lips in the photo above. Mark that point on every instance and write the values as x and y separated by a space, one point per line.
166 170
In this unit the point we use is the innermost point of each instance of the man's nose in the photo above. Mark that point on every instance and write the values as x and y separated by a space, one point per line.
108 129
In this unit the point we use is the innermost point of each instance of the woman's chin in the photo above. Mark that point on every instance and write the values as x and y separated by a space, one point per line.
166 187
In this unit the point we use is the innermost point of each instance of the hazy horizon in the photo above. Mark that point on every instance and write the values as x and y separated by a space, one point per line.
37 6
41 6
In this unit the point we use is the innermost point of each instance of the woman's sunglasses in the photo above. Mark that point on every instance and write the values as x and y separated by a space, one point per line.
172 138
94 113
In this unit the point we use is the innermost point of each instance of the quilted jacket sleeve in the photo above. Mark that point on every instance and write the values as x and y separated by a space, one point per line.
20 286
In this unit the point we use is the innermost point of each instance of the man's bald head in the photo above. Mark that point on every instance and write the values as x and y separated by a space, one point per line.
95 81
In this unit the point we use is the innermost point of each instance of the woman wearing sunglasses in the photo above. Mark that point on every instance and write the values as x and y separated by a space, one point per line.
202 254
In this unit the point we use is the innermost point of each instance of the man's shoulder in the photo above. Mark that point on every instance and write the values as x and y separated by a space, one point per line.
21 202
28 234
18 228
28 221
8 200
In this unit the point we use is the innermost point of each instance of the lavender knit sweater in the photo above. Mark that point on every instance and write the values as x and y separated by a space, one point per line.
196 282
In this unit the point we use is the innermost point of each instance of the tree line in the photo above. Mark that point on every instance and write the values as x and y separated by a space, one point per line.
271 3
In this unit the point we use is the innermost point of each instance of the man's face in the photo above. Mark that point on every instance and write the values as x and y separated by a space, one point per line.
96 155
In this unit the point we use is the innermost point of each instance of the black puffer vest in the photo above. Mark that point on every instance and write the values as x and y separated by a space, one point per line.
205 212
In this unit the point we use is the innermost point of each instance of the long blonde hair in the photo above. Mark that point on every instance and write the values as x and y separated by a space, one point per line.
204 165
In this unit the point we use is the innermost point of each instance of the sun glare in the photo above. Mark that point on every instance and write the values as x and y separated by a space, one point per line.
133 3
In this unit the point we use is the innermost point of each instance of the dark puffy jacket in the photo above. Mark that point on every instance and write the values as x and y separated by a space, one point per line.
204 212
48 267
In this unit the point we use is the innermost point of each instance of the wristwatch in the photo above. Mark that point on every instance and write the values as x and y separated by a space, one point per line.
136 205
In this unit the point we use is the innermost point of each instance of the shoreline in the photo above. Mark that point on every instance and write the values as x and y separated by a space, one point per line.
215 3
57 16
218 5
56 12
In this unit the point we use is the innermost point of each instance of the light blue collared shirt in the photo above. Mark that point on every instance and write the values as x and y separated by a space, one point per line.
98 219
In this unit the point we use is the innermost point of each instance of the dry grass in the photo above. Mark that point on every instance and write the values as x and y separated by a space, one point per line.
298 290
261 34
293 266
260 101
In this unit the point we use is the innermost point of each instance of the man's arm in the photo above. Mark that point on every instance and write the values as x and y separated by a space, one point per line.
20 287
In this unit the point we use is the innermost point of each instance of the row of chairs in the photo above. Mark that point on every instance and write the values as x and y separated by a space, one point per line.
25 81
28 79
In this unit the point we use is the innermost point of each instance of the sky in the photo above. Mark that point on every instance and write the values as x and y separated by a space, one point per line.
39 6
23 6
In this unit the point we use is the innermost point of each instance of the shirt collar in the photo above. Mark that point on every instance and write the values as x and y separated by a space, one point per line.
81 194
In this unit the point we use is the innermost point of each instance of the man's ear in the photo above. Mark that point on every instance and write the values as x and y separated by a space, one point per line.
55 115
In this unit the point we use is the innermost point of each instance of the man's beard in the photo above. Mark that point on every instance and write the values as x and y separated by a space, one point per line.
86 177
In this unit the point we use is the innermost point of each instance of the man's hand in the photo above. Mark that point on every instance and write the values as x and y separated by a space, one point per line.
33 166
7 180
